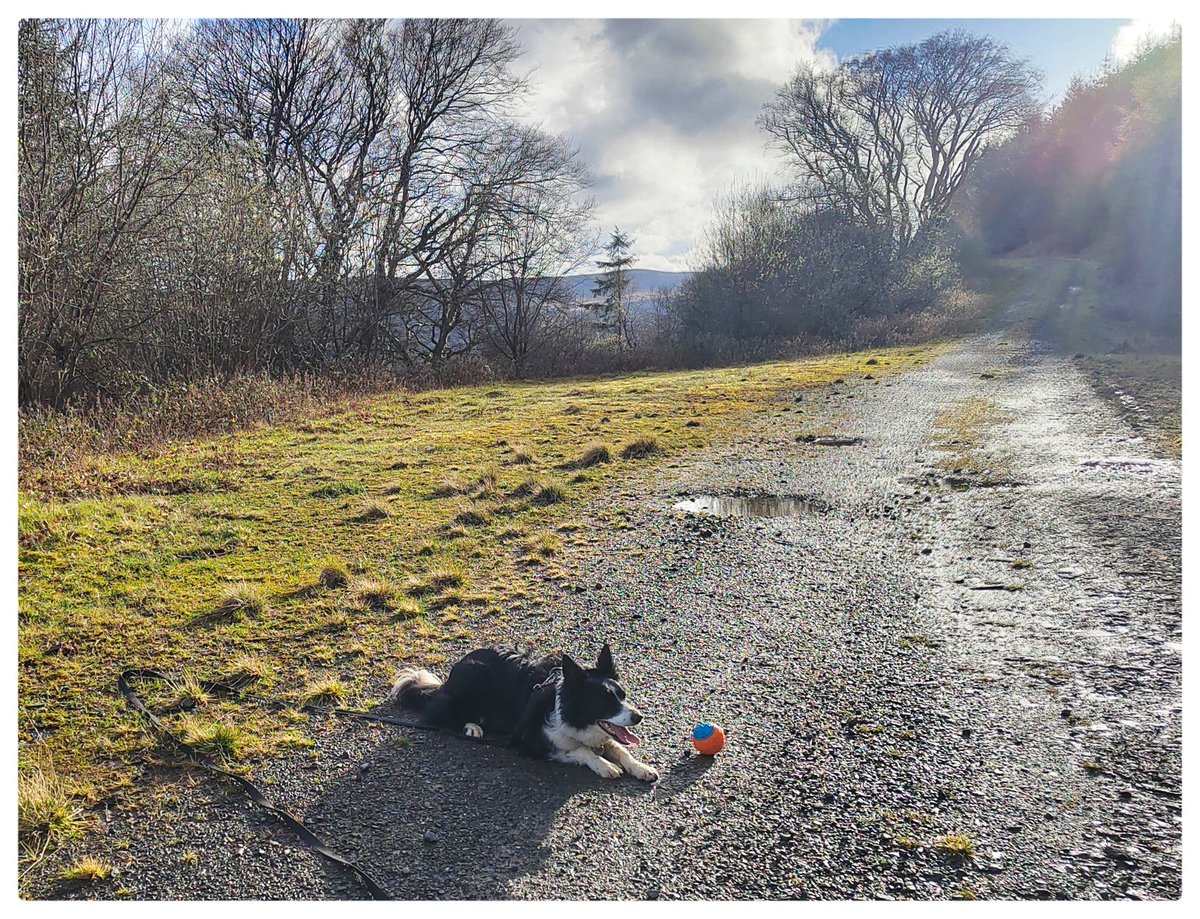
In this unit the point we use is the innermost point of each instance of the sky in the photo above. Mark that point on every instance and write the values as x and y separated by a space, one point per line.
664 110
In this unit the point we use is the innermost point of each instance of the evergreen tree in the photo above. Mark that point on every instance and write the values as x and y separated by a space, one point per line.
613 285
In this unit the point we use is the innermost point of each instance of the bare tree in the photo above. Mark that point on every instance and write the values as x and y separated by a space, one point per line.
102 166
890 136
282 195
542 236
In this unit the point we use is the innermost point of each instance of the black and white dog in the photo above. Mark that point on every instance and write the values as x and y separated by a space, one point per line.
548 709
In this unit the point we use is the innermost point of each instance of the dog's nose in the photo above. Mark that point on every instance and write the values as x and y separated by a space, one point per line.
634 716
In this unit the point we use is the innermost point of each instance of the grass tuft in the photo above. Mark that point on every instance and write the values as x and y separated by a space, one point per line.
550 493
46 813
240 602
957 844
526 488
472 517
373 510
216 738
337 490
593 455
246 668
189 693
641 448
407 608
485 484
371 594
86 871
544 544
448 488
446 575
333 576
326 691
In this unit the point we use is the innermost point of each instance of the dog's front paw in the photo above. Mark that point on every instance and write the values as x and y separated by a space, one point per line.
605 769
472 730
643 772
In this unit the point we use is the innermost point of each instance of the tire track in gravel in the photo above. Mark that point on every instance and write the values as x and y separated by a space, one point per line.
875 703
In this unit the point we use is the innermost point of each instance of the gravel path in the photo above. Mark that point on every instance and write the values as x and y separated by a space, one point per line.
993 655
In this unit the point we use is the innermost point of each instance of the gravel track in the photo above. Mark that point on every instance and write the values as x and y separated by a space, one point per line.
994 655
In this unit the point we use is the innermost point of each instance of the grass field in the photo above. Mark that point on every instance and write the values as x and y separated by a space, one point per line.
316 556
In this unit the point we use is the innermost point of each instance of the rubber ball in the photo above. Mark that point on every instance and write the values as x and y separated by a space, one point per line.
708 738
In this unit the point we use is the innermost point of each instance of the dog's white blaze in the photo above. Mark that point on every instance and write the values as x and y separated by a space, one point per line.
626 717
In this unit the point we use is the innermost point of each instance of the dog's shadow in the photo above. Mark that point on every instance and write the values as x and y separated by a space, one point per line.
439 817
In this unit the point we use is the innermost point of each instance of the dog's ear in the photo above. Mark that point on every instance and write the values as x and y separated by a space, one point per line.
604 663
572 672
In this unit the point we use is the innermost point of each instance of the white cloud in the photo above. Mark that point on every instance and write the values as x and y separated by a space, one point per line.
1130 38
664 113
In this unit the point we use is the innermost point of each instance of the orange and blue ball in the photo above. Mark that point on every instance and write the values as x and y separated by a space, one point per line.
708 738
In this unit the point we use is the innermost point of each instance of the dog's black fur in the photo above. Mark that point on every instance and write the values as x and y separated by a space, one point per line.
546 708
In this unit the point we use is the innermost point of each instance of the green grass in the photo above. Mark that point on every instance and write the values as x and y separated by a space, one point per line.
256 560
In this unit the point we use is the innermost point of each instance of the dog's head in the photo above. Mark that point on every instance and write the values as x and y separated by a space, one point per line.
592 696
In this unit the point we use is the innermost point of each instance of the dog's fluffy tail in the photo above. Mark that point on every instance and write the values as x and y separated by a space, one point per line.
413 688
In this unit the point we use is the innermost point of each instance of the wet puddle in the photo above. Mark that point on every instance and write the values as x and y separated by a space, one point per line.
750 506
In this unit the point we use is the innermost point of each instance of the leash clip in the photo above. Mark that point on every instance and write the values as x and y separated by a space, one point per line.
555 676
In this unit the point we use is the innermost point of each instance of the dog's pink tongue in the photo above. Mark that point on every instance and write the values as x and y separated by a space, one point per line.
625 735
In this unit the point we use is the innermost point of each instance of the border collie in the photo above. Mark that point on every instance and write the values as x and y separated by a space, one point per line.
548 708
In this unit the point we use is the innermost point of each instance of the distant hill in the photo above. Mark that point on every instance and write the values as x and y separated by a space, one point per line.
646 282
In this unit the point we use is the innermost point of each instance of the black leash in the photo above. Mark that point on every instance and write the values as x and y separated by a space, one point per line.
311 839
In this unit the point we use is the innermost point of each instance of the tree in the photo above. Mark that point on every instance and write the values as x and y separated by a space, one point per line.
543 235
614 283
1100 176
889 137
104 166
